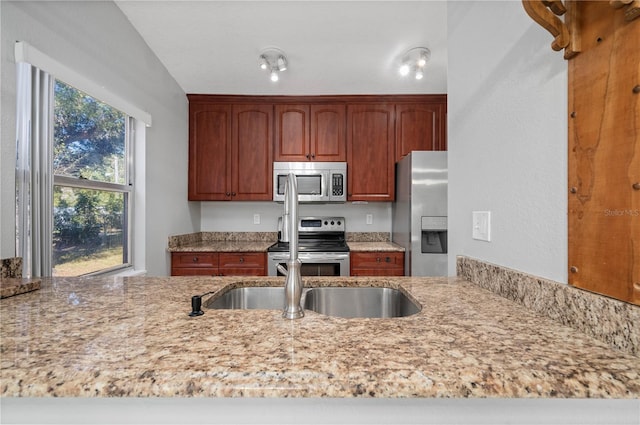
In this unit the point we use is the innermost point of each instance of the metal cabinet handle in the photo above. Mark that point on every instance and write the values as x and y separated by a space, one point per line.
233 194
195 259
241 260
388 259
313 156
636 186
378 259
228 194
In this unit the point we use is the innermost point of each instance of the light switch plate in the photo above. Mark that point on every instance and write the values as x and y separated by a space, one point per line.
481 225
256 219
369 219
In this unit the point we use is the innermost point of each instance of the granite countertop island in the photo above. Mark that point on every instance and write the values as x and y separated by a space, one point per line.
132 337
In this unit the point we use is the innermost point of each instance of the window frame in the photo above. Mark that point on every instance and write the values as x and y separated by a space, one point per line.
128 188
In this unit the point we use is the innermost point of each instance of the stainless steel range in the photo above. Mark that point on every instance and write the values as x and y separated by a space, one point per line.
322 248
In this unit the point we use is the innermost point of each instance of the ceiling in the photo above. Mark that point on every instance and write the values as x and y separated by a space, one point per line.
333 47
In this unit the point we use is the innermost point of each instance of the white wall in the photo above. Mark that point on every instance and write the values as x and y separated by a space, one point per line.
97 40
238 216
507 138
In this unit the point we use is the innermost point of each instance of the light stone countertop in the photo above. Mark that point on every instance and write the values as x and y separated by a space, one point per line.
132 337
261 246
223 246
260 241
10 287
374 247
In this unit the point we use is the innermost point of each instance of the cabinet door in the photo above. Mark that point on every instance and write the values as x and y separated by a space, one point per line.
292 133
370 152
209 152
419 127
328 133
251 157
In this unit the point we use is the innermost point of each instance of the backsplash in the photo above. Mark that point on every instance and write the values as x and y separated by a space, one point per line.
192 238
368 237
11 267
615 322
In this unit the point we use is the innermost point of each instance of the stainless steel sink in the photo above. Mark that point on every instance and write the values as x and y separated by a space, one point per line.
349 302
250 297
353 302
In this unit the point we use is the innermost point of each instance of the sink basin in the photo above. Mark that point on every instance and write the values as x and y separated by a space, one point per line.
251 297
351 302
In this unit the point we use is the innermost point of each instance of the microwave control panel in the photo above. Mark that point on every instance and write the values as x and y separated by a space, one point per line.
337 186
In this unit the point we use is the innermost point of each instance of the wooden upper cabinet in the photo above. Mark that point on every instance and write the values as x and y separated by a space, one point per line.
292 133
252 139
209 151
233 140
370 152
420 127
310 133
328 135
230 152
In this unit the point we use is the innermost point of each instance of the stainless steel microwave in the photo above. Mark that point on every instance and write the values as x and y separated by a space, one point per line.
321 182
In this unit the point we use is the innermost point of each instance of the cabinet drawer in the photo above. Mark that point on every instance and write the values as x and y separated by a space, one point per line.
194 259
378 272
248 260
194 271
376 260
233 271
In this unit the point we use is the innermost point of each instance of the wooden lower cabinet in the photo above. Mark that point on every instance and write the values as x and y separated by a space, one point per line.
377 263
218 264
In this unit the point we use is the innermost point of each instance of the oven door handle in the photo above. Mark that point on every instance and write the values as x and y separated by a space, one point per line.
323 256
281 269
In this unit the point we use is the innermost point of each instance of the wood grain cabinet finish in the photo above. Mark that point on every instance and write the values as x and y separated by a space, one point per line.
194 264
209 151
251 153
370 152
233 140
420 127
242 264
218 264
377 263
604 155
308 132
230 152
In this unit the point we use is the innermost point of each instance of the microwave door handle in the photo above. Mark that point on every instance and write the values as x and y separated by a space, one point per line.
325 185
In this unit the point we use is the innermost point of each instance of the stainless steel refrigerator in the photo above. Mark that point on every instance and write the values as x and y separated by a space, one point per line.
419 214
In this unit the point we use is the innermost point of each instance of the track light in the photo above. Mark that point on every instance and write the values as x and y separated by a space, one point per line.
275 61
414 61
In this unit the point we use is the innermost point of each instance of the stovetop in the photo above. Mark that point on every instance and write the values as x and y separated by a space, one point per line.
312 246
316 234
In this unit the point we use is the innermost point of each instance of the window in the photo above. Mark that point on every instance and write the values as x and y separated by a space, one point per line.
75 172
92 184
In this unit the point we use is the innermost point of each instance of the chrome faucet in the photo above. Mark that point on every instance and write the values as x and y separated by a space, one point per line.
293 281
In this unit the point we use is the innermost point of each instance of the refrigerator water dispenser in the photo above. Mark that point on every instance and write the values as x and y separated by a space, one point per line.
434 235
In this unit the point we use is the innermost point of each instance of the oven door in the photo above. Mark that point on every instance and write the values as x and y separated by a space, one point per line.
313 263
